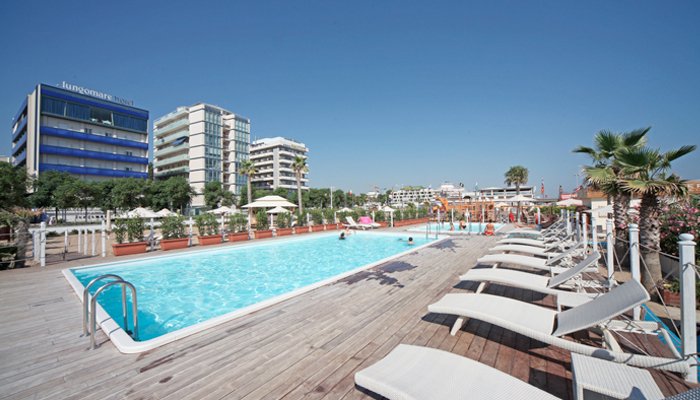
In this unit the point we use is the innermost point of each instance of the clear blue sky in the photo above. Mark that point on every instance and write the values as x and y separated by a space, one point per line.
385 93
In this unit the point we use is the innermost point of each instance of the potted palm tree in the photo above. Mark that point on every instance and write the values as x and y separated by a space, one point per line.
262 226
237 228
129 236
174 236
208 229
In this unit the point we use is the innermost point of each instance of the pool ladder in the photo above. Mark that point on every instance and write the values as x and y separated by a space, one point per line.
90 312
428 230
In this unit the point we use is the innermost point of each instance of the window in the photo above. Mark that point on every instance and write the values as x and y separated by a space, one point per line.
100 115
87 130
129 153
77 111
53 106
125 121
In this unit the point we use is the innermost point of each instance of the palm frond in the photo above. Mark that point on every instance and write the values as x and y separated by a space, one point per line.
607 142
635 138
678 153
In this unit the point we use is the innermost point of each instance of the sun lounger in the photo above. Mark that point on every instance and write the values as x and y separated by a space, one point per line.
549 326
539 283
525 260
414 372
354 225
519 248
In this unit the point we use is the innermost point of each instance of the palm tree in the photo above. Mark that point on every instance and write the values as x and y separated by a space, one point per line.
299 167
649 176
516 175
606 173
248 169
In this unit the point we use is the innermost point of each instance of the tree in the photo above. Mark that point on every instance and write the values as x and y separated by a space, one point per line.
213 194
180 192
45 187
129 193
648 175
14 183
85 193
299 167
516 175
248 169
606 174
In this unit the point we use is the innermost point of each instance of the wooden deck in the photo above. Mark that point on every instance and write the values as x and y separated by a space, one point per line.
307 347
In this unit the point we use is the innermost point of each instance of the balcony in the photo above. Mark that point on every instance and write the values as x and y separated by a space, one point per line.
171 160
170 150
171 115
185 169
163 141
172 127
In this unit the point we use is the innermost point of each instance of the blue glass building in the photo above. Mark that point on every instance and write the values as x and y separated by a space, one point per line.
86 133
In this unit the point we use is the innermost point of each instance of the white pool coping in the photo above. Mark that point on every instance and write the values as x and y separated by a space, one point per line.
126 344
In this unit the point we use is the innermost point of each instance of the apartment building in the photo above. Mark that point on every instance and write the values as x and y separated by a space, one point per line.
273 158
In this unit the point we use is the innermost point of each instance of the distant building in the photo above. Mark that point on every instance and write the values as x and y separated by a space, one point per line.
5 159
415 195
203 143
503 193
273 158
89 134
694 187
451 191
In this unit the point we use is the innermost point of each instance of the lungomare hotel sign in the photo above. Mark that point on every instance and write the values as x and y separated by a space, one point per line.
95 93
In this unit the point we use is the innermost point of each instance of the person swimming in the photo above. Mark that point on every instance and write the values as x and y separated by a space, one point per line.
342 236
410 241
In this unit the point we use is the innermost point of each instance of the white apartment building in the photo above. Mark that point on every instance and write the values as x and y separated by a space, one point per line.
402 197
202 143
273 158
503 193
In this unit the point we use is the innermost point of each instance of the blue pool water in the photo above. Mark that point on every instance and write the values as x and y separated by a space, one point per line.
177 291
445 228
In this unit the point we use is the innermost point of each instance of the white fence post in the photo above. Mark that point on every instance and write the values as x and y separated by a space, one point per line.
568 223
634 261
85 243
584 235
594 231
577 226
103 236
610 250
94 246
80 241
189 222
35 245
686 252
65 241
42 244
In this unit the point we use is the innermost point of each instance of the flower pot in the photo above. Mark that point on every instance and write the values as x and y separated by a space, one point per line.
316 228
383 224
284 231
209 240
172 244
125 249
237 236
301 229
671 298
263 234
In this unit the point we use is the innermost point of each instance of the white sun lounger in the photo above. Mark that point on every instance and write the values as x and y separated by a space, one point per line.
519 248
415 372
539 283
523 241
354 225
549 326
522 260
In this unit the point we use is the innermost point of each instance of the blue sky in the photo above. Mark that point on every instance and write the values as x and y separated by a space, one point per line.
385 93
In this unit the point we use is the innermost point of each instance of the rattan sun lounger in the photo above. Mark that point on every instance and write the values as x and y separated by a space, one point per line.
549 326
414 372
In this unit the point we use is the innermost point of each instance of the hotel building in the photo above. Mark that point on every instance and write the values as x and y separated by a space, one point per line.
273 158
402 197
203 143
86 133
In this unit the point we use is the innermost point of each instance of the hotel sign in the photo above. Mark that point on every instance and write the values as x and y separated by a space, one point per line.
95 93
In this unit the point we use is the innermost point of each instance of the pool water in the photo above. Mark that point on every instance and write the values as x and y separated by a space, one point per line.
445 228
177 291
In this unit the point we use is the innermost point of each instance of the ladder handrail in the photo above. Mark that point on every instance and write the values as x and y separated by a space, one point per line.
134 309
86 293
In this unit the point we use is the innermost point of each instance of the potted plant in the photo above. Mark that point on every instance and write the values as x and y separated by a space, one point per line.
208 229
237 224
317 219
129 236
300 227
262 226
671 293
283 227
174 236
380 218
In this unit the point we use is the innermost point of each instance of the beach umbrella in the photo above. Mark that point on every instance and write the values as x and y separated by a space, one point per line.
222 210
165 213
569 202
271 201
345 209
278 210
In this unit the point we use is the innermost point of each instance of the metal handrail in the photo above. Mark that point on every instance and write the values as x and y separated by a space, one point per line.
134 310
86 293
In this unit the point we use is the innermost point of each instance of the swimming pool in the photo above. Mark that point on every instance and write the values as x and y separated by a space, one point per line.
185 293
473 227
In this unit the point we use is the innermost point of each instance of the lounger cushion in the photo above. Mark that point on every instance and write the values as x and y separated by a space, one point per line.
418 373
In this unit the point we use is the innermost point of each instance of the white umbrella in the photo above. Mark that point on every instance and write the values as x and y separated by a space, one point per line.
345 209
570 202
388 209
518 198
278 210
165 213
139 212
222 210
270 202
501 205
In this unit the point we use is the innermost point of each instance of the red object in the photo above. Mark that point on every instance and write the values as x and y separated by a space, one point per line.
209 240
511 217
172 244
263 234
126 249
237 236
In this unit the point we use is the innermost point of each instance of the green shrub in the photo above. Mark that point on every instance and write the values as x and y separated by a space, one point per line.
261 221
172 227
328 214
207 225
119 230
282 220
300 218
237 222
316 216
134 229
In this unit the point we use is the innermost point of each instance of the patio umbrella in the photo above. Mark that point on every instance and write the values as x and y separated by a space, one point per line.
344 209
221 210
278 210
388 209
270 202
569 202
165 213
518 199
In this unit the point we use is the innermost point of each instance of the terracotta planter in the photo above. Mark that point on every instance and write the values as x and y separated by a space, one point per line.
383 224
126 249
263 234
172 244
284 231
209 240
316 228
671 298
237 236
